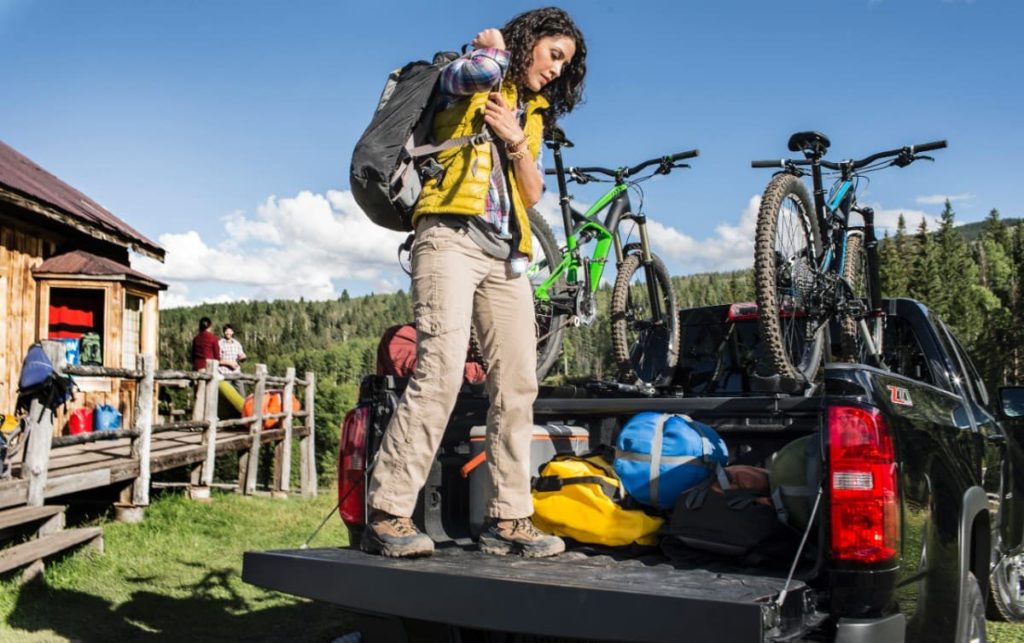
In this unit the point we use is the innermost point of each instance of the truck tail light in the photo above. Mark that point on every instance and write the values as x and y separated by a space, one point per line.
352 466
863 486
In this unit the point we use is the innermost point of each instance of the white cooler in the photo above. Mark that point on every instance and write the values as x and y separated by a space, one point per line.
548 441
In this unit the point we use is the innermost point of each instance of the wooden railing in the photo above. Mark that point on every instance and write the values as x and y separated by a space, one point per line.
204 418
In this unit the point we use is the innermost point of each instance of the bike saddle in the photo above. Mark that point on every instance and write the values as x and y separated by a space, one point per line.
555 135
810 143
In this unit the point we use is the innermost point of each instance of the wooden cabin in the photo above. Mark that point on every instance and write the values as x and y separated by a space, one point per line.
65 274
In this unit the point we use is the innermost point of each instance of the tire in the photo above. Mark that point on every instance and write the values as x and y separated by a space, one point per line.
854 274
785 277
972 629
645 349
549 324
1006 589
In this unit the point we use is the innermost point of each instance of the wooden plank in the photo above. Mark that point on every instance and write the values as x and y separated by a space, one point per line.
252 458
74 482
25 515
12 492
283 453
307 451
210 435
33 550
104 371
142 447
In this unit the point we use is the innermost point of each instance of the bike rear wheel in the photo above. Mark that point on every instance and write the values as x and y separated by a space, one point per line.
646 347
786 277
549 322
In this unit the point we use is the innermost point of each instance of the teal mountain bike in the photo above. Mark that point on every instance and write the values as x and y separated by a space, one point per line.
812 265
645 326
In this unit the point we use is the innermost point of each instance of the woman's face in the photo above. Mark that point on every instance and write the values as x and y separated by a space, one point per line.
550 55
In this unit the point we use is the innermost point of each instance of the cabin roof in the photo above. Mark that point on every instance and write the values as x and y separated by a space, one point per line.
20 175
79 263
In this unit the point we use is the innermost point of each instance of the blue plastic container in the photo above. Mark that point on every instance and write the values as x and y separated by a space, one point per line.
687 452
106 418
71 349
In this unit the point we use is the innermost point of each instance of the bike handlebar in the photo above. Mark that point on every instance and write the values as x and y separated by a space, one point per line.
625 172
908 151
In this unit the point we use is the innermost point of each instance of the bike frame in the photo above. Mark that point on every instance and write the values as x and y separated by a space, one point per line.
580 228
834 215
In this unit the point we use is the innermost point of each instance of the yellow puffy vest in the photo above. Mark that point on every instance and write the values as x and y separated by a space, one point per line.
467 177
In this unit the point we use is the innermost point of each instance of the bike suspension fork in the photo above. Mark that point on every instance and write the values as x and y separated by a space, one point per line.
646 258
874 283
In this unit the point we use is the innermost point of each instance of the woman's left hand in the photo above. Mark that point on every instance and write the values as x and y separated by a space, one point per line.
502 120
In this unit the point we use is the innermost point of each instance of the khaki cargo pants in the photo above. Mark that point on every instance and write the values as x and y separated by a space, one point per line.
455 284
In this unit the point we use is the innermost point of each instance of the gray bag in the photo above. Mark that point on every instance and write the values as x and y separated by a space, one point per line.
395 153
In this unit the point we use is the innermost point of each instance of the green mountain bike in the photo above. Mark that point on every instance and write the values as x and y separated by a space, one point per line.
645 325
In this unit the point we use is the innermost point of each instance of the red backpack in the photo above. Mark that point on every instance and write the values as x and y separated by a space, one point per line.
396 355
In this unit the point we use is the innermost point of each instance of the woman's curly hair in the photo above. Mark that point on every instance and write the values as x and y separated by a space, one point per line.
522 33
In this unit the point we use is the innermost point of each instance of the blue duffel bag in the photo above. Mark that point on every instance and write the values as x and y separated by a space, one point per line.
660 455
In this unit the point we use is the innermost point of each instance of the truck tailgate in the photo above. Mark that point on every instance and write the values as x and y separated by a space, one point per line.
573 595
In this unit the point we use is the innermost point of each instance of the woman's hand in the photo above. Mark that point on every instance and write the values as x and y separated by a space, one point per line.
489 39
502 120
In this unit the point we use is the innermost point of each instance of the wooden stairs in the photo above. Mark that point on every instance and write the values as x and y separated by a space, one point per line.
44 527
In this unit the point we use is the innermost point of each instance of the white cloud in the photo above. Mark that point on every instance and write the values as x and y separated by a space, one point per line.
310 245
940 199
731 248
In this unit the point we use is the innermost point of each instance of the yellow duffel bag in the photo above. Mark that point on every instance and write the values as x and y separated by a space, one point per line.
580 497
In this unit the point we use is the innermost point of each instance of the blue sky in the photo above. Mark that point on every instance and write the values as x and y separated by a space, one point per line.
224 129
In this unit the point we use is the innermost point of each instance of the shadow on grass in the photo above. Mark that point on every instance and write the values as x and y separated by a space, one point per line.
214 612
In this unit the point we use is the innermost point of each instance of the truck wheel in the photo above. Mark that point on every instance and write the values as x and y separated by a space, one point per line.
972 629
1006 589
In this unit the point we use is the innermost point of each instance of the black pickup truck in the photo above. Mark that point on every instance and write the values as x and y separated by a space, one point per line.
918 531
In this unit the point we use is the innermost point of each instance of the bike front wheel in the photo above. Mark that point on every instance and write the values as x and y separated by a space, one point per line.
850 340
549 322
786 281
645 345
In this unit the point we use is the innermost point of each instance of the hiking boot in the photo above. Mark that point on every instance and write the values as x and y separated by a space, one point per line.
394 537
518 536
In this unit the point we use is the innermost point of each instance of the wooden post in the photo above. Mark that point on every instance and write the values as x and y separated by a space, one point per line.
307 451
141 446
39 433
252 459
134 498
198 414
283 453
210 434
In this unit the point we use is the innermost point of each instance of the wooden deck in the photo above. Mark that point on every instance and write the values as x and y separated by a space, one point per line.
100 464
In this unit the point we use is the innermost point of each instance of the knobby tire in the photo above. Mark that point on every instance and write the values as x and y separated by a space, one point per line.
645 349
784 281
549 324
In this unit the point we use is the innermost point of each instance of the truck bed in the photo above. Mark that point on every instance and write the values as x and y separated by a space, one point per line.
573 595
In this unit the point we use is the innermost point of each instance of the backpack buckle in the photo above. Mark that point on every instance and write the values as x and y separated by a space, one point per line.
430 168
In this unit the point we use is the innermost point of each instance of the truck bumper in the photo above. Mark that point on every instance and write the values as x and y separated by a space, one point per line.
889 629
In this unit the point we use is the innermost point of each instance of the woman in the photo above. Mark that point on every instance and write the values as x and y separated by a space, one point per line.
472 244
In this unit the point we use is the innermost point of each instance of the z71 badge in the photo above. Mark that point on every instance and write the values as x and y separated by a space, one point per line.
900 395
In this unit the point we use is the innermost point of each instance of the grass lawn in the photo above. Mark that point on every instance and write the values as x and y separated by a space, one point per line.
177 577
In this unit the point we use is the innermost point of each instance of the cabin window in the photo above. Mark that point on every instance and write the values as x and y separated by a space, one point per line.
133 306
76 316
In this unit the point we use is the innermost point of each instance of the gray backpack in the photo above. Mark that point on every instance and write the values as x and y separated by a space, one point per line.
395 153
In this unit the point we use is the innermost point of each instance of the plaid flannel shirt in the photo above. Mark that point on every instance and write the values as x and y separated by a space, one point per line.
230 351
